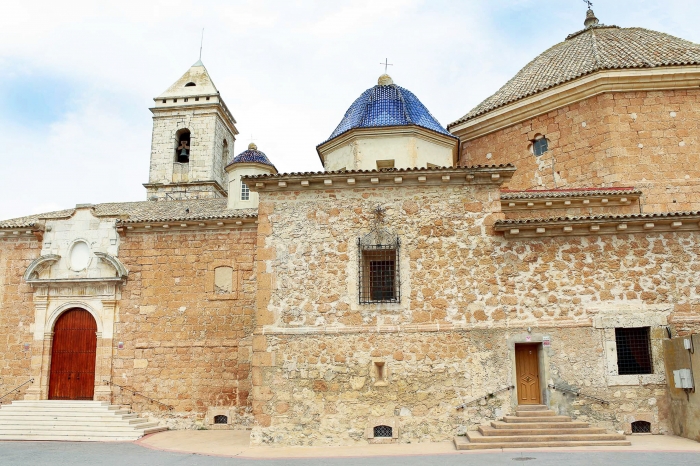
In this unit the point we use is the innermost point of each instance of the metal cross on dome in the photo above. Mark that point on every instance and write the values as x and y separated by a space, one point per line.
589 3
386 64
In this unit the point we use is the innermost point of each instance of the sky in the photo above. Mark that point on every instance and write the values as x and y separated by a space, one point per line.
79 77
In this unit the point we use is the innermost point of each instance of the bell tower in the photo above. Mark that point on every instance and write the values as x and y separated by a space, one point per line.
193 135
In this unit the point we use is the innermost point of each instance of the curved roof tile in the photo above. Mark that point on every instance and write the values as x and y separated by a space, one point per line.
595 48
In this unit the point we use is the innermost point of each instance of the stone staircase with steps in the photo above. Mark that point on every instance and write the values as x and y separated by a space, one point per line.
81 421
536 426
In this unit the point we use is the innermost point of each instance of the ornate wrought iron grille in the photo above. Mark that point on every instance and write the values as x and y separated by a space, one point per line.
220 419
641 427
378 268
633 351
383 431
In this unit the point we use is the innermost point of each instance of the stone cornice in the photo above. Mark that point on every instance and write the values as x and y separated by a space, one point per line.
218 105
600 225
386 132
215 184
446 176
23 230
166 225
512 201
647 79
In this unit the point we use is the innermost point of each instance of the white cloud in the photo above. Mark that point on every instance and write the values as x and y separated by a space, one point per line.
287 70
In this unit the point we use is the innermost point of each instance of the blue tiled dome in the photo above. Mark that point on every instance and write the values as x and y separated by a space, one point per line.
387 104
252 155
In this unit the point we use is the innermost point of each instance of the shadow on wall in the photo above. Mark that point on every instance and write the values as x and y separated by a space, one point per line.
682 361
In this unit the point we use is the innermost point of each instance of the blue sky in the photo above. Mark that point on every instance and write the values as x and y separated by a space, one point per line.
80 76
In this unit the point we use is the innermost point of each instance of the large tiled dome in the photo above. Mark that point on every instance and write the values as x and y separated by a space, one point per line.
252 155
596 47
387 104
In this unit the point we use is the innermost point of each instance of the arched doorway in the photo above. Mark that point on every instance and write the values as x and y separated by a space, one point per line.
73 353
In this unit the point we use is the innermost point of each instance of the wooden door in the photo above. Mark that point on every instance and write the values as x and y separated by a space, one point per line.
73 354
527 374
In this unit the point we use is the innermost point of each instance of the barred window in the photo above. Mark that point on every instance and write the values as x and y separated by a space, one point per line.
378 268
245 192
221 419
383 431
633 351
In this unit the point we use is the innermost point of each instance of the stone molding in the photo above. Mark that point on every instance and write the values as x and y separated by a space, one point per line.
448 176
212 184
39 264
599 225
519 201
419 328
623 80
164 226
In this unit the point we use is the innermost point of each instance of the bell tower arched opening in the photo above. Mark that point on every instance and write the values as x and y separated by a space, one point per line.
182 151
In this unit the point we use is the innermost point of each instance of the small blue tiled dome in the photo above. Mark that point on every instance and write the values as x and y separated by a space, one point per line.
252 155
387 104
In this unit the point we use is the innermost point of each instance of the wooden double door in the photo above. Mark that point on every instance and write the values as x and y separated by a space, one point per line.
527 370
73 352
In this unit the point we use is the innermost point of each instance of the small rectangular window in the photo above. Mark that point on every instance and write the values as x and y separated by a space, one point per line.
245 192
633 351
539 147
382 164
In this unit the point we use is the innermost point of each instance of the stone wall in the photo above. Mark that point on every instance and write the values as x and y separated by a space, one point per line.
16 313
315 342
185 328
644 139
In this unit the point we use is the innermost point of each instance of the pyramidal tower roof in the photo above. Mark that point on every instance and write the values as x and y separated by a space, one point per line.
196 81
596 47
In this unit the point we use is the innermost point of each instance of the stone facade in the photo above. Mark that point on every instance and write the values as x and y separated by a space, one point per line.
645 139
467 297
16 312
184 341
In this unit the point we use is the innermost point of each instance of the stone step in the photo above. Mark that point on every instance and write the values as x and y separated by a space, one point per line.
73 421
539 413
477 437
490 430
72 438
520 419
77 421
62 411
75 428
59 403
532 408
462 443
539 425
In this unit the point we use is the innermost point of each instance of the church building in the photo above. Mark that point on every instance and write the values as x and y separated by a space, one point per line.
530 260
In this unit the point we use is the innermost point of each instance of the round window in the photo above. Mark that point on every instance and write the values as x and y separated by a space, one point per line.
79 256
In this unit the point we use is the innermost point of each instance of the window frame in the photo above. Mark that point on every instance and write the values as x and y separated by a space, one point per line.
245 192
379 265
627 356
538 143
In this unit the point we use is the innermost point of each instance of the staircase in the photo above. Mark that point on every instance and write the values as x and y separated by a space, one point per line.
536 426
78 421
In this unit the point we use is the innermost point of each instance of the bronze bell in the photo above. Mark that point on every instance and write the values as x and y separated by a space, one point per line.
184 153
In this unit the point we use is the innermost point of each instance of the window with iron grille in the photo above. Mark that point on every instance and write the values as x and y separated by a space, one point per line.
383 431
221 419
633 351
245 192
641 427
378 268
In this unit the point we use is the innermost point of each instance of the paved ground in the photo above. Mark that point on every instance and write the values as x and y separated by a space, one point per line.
209 445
